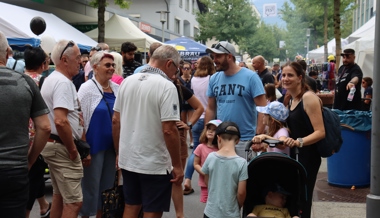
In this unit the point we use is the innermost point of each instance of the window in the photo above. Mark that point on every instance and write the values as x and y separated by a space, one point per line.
187 5
180 3
193 7
196 31
177 23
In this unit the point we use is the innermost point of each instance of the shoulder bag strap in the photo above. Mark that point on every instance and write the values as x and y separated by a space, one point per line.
14 65
109 110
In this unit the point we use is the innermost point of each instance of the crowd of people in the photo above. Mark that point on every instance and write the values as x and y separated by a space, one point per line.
137 118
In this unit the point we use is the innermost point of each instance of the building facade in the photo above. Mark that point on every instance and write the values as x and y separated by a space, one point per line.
365 10
180 19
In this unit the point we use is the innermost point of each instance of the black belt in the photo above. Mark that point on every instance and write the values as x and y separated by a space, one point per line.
55 138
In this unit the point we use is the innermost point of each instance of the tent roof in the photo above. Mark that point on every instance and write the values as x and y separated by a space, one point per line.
120 29
318 54
186 44
19 27
367 29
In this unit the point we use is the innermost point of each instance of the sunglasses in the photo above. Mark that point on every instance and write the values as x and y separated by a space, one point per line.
175 67
69 44
108 65
186 68
217 46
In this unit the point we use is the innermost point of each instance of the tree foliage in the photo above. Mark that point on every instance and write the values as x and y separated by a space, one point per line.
101 5
265 42
310 14
226 20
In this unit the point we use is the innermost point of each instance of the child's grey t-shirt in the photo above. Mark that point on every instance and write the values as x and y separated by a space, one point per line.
225 173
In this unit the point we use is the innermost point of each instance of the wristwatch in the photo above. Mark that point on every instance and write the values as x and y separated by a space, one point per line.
190 125
300 140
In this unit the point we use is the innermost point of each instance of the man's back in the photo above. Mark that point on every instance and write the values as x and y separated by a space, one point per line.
20 100
224 174
144 101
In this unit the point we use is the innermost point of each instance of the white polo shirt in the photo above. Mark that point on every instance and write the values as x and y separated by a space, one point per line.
144 101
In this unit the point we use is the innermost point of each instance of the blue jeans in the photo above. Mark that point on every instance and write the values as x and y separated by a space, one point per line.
196 130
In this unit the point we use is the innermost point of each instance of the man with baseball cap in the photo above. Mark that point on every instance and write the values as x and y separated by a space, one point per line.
349 75
234 92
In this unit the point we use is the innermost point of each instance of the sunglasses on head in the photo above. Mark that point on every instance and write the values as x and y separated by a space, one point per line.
69 44
217 46
97 48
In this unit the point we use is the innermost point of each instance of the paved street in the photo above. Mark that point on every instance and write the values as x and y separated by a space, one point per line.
194 209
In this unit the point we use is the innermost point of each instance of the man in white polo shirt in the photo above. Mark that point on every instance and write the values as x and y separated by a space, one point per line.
146 136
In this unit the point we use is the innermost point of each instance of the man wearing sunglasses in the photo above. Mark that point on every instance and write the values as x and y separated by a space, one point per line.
146 136
234 92
349 75
60 152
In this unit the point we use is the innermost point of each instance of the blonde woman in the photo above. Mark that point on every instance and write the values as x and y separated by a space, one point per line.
118 61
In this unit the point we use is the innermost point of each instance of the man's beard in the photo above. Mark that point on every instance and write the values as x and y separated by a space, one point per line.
127 61
223 66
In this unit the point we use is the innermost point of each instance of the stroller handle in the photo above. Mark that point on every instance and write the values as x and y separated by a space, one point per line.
271 142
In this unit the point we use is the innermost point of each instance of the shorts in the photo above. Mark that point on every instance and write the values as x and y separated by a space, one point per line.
184 152
65 174
14 189
204 195
153 192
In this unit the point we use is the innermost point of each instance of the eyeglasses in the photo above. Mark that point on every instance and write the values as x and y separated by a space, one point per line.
175 66
69 44
186 68
217 46
108 65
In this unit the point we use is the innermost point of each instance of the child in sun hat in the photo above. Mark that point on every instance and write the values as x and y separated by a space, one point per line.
275 118
208 145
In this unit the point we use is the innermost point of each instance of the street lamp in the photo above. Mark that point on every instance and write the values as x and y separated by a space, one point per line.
163 20
308 40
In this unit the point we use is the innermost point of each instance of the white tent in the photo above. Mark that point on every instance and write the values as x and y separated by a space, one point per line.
364 52
15 24
318 54
366 30
120 29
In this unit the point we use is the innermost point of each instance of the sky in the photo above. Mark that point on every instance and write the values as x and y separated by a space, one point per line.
270 17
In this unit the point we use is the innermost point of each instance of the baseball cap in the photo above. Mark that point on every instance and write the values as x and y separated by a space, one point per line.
276 110
277 188
223 47
214 122
228 127
348 52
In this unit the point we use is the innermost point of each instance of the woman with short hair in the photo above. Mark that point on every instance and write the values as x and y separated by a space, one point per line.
97 97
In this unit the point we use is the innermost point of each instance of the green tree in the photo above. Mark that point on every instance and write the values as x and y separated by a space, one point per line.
265 42
312 14
101 5
230 20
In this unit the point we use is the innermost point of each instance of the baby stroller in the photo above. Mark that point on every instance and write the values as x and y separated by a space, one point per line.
274 167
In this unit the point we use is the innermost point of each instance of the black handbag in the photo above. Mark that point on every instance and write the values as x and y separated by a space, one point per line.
83 148
113 201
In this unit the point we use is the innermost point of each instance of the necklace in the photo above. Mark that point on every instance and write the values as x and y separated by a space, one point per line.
107 86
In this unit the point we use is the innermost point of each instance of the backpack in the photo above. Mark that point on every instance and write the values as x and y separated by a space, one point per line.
333 140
